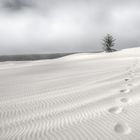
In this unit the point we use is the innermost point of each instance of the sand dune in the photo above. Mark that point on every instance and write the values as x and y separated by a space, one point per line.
77 97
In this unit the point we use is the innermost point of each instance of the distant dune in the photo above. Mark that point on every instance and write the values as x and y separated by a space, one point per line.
83 96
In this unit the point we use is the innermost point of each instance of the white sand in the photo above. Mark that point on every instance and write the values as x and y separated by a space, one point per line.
77 97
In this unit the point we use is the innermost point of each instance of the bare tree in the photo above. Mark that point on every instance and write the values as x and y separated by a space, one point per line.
108 43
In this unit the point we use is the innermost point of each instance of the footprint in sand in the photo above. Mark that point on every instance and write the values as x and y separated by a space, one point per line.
127 79
125 90
115 110
122 128
124 100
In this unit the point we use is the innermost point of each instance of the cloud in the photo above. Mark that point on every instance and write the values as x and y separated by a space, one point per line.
44 26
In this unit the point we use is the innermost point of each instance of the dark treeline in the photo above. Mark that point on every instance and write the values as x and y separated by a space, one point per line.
28 57
31 57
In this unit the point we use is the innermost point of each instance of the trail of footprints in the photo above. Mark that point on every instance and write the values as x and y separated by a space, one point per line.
122 127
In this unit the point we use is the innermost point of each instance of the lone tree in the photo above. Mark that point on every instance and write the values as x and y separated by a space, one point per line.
108 43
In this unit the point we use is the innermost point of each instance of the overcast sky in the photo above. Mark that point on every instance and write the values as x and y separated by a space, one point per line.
46 26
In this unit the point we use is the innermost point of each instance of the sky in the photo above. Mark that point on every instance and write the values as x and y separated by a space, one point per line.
53 26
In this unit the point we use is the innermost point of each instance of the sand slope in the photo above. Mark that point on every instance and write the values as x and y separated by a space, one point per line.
78 97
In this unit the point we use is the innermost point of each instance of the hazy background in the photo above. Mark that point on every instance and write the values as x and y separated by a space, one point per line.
49 26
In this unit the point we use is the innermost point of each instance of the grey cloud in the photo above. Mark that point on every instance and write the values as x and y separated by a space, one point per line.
43 26
15 4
